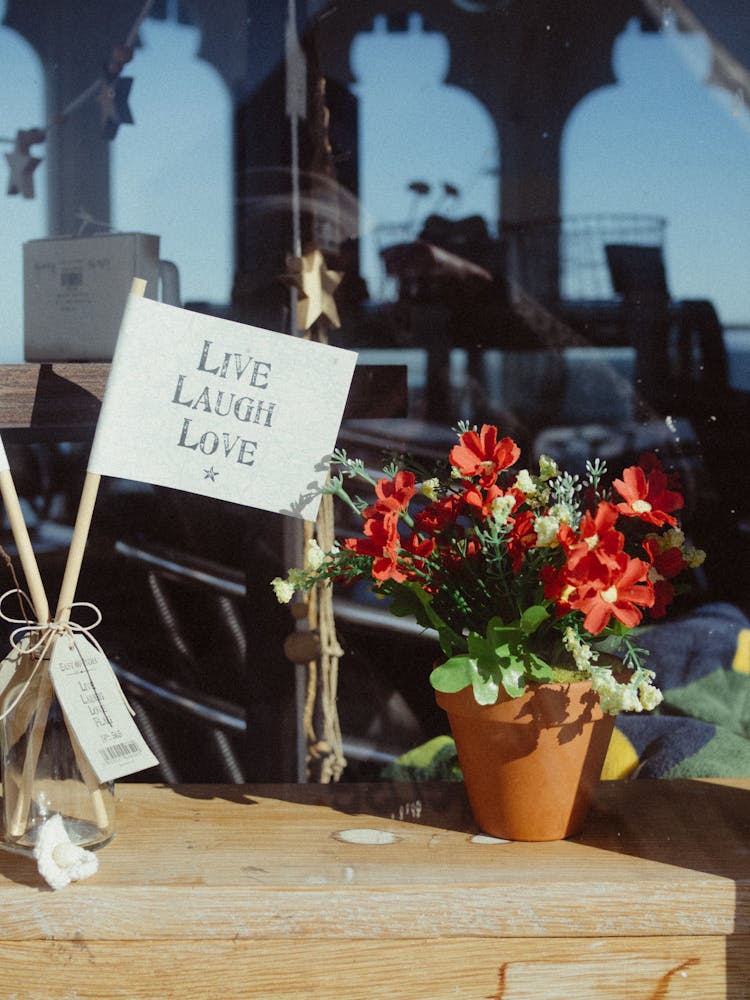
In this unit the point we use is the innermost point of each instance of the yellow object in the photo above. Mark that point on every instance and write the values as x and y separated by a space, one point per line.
741 661
309 274
621 759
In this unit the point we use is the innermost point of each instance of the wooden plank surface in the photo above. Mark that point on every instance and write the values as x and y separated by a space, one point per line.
233 862
692 968
64 399
218 892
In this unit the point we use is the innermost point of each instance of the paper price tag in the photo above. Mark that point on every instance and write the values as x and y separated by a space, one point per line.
94 708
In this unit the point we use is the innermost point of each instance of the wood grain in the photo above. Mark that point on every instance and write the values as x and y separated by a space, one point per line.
64 397
459 969
246 863
235 891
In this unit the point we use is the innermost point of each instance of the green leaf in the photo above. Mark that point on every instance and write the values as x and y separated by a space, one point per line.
446 646
405 604
608 642
532 618
513 679
538 668
453 675
501 657
486 689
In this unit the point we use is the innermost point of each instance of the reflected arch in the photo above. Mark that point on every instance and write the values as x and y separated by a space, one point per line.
179 154
23 218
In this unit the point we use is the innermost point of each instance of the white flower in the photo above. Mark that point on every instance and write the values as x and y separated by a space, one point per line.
693 557
546 529
672 538
501 508
525 483
635 696
583 655
315 556
563 512
429 488
59 860
606 687
283 589
548 467
650 696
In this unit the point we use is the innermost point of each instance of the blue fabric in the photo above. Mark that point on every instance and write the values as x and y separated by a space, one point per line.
702 728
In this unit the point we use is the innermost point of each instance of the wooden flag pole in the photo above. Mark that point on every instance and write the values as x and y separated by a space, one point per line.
83 522
64 603
23 544
77 546
17 819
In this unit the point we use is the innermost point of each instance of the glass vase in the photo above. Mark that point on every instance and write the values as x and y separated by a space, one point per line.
44 771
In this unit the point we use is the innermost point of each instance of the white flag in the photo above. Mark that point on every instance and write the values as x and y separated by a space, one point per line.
219 408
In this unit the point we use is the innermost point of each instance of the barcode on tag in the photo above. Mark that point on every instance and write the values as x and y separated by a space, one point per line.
118 751
96 711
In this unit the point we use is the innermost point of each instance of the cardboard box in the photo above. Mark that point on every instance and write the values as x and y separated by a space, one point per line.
75 290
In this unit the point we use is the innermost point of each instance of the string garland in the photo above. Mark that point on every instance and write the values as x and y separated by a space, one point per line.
111 91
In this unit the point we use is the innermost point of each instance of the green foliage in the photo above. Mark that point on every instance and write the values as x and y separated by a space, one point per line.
500 658
411 601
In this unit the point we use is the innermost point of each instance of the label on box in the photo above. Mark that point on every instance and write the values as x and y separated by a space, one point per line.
95 709
75 289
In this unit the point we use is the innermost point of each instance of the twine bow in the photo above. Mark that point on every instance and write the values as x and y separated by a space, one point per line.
47 634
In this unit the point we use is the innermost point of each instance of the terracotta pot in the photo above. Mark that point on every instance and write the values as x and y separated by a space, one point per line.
530 764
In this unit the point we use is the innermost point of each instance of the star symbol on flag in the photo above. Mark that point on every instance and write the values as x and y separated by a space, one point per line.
22 164
113 101
210 474
309 274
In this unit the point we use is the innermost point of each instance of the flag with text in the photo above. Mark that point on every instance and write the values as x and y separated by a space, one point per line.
214 407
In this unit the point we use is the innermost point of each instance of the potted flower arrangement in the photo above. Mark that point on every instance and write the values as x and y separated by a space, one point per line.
534 583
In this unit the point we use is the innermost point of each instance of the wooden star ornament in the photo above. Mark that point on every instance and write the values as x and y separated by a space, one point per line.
113 101
22 164
309 274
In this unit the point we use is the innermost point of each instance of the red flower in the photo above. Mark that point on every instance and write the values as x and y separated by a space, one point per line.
393 494
482 499
664 566
382 544
649 461
617 590
521 538
419 549
557 587
647 498
454 558
483 455
439 515
596 535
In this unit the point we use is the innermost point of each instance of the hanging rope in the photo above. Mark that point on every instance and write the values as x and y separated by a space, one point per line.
313 309
325 751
